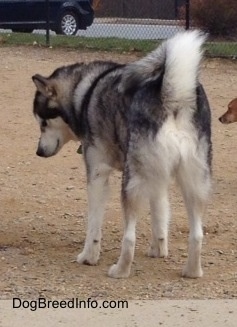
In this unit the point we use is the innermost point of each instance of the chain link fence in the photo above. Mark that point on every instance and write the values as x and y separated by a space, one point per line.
136 19
152 20
139 20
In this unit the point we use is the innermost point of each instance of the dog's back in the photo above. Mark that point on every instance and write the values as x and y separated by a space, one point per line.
157 96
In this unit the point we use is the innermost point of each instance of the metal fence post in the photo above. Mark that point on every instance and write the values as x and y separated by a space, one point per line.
47 23
176 8
187 15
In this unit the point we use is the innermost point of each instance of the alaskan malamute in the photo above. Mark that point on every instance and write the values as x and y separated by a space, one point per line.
151 120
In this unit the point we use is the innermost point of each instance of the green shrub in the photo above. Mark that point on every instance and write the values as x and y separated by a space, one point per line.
217 17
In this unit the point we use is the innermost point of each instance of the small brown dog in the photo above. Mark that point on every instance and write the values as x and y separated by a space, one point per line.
230 116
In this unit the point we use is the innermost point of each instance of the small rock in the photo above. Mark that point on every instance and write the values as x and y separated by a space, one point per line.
69 188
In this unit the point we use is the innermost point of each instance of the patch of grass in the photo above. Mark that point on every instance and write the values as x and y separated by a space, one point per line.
213 49
75 42
221 49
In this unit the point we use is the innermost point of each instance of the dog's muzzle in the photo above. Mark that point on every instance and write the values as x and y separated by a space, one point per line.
47 152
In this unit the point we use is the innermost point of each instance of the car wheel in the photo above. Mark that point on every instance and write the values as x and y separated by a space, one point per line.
22 30
68 24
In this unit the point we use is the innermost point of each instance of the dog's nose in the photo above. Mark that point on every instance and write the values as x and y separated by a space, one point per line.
40 152
220 119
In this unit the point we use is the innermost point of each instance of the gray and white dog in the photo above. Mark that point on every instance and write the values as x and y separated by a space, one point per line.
151 120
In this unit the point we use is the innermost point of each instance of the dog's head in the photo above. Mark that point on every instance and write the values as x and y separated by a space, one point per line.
52 103
230 116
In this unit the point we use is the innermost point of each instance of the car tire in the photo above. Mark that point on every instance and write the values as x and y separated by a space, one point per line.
68 23
22 30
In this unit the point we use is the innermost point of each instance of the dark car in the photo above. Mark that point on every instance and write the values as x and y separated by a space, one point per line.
65 16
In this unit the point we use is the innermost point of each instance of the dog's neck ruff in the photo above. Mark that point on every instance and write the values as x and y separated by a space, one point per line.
79 122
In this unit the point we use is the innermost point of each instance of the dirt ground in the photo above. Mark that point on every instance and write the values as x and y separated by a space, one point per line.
43 202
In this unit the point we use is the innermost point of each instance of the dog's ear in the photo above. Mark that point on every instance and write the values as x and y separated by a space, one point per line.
44 86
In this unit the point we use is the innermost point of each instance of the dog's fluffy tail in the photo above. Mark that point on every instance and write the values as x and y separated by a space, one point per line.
177 61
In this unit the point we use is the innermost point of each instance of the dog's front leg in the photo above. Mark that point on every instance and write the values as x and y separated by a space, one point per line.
97 195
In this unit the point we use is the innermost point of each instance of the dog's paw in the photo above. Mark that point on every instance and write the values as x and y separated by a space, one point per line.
116 272
87 258
191 272
160 251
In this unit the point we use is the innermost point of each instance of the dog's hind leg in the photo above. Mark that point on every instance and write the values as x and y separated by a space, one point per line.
98 176
160 213
194 180
131 201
